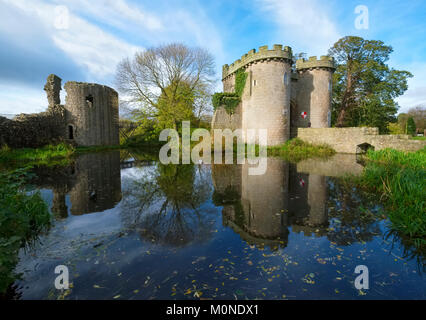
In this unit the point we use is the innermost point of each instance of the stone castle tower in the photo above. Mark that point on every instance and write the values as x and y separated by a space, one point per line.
275 97
90 116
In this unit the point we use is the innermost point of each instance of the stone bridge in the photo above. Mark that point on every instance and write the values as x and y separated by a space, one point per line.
358 140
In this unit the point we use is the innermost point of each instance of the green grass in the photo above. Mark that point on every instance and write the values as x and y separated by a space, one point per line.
50 155
419 138
399 178
296 150
47 155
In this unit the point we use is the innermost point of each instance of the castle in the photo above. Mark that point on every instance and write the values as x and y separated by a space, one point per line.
88 118
275 96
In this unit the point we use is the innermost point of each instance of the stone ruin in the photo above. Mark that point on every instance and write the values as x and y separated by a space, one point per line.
88 118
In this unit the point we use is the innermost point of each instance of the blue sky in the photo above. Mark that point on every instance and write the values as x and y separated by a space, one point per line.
34 41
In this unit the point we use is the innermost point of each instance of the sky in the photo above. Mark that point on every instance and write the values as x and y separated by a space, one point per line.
84 40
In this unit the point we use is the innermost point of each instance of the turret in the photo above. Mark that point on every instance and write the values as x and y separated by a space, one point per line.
314 92
91 114
266 96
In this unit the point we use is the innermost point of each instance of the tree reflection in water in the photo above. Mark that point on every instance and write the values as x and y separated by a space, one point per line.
355 217
164 203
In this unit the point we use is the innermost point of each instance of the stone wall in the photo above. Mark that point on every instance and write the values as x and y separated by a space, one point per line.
91 114
275 96
314 98
93 183
348 140
98 183
277 52
89 118
224 120
266 99
33 130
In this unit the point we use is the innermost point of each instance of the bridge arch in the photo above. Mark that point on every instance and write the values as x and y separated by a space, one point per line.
363 148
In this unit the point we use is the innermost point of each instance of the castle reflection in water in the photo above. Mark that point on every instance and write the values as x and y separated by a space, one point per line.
93 183
261 209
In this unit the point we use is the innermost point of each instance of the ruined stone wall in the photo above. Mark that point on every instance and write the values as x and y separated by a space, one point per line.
91 114
89 118
38 129
346 140
93 183
98 183
53 90
33 130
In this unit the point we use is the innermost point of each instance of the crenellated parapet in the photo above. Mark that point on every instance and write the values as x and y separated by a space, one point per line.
277 53
313 63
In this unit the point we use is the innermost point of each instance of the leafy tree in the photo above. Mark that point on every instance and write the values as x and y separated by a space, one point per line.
172 111
411 126
395 128
157 81
365 87
402 121
165 204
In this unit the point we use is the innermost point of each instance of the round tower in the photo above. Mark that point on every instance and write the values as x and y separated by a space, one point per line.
314 92
91 114
266 95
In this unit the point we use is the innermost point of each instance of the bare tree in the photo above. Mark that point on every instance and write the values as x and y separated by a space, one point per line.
419 115
161 71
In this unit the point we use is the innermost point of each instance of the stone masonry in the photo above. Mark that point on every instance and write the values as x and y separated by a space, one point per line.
88 118
357 140
276 98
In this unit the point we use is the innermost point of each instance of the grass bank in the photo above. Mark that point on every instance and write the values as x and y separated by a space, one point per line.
47 155
50 155
61 154
399 178
296 150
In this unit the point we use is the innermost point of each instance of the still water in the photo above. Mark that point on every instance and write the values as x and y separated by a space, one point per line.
134 229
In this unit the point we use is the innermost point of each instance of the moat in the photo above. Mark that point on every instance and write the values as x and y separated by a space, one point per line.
132 228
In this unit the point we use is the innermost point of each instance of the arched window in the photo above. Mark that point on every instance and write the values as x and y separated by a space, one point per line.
89 100
70 132
286 78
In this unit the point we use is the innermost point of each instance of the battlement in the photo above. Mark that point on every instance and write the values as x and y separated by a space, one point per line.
278 52
313 62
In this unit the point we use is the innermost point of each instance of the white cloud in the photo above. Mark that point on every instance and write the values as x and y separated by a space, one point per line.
99 34
95 50
416 93
304 23
14 100
91 48
116 13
